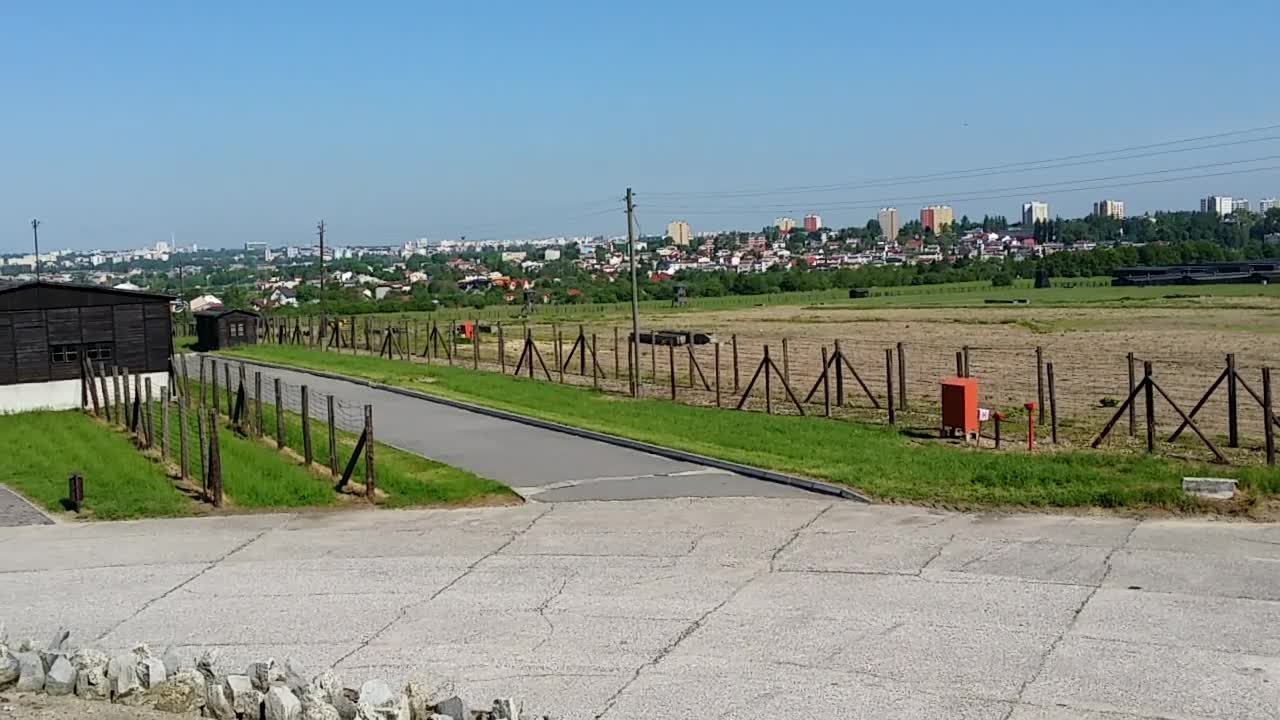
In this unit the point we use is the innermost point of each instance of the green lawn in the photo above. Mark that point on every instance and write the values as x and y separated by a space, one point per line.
43 449
872 458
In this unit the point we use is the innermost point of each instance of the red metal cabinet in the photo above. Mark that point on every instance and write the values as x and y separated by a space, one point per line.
960 406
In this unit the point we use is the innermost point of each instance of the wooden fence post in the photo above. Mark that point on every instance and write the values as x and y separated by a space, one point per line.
1268 417
257 403
826 384
1233 417
767 364
653 358
968 371
839 363
213 390
595 374
902 376
115 393
138 416
888 373
306 425
1151 406
475 344
183 470
617 369
279 415
202 431
671 361
148 426
1133 407
502 350
231 394
1040 382
786 361
106 396
734 338
959 364
370 478
164 423
333 439
203 383
1053 405
215 460
717 373
559 355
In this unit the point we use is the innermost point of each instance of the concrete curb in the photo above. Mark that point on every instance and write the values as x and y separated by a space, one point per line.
816 486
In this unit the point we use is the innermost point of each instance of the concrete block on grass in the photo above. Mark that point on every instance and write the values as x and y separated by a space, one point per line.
1209 488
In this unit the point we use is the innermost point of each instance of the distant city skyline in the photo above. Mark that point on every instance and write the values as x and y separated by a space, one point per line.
233 122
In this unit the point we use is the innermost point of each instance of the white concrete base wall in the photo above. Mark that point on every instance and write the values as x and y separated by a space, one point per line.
60 394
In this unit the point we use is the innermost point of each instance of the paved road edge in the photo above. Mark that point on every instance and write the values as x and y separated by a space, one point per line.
817 486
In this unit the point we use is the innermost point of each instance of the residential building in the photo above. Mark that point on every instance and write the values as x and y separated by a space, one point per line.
551 254
937 217
812 222
1109 208
678 231
890 223
785 224
1240 204
1034 212
1268 204
1217 204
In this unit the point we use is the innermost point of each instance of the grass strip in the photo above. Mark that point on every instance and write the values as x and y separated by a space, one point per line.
872 458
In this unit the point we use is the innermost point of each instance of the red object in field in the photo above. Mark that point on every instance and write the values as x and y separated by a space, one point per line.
960 406
1031 425
469 330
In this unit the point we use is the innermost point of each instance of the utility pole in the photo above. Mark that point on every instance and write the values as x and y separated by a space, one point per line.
324 303
35 235
635 298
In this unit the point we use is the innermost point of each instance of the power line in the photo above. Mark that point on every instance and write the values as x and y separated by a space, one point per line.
1027 166
1059 192
964 196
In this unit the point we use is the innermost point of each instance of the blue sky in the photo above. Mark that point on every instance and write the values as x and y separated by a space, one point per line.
241 121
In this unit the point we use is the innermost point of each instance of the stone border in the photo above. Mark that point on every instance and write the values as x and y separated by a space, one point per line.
756 473
264 691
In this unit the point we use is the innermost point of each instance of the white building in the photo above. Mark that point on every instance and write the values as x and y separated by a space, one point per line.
551 254
1033 212
1217 204
205 302
1268 204
1240 204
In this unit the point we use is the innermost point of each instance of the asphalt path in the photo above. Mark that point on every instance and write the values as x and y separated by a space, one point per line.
541 464
734 608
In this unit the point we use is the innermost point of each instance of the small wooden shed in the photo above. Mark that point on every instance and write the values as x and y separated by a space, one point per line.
221 329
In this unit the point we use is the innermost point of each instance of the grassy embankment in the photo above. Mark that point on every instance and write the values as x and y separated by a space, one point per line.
45 448
408 480
872 458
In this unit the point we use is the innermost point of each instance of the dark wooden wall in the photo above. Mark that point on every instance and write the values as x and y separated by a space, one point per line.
140 334
8 360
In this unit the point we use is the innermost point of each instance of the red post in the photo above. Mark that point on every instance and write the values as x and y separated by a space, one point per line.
1031 425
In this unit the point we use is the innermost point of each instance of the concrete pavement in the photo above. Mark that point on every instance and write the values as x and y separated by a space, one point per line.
540 464
723 607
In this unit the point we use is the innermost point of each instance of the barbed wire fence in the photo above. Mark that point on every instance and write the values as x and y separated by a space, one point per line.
207 400
878 377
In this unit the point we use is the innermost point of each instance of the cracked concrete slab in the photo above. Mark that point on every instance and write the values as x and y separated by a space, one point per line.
1195 574
1158 681
741 608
